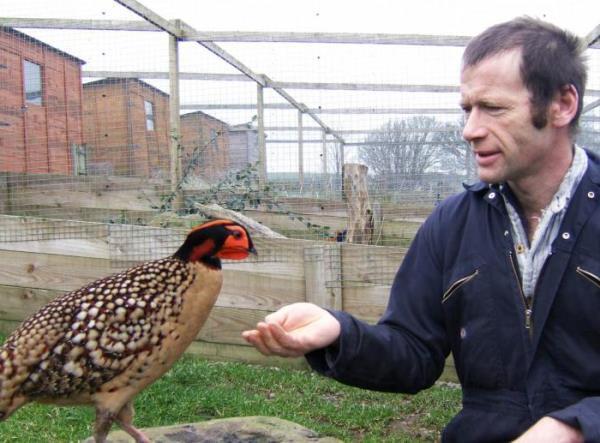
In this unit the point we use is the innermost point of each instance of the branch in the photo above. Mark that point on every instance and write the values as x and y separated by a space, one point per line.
216 211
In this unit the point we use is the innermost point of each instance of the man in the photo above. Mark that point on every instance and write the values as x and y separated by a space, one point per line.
505 275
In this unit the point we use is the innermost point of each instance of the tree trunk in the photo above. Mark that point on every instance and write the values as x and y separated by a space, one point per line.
360 214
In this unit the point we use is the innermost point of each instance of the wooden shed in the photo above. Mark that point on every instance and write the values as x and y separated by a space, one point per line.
40 106
243 146
126 128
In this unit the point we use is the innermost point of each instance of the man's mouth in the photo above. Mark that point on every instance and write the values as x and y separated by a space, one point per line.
486 158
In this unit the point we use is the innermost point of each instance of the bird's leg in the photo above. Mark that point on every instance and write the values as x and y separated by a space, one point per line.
104 420
124 419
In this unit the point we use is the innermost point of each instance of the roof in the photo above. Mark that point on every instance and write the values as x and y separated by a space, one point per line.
123 80
202 114
35 41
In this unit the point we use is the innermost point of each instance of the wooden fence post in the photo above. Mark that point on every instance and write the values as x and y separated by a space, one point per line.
360 214
323 275
175 124
260 127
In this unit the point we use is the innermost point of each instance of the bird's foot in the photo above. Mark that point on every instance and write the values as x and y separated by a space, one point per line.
135 433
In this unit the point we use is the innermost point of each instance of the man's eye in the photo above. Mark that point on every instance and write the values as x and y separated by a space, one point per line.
492 108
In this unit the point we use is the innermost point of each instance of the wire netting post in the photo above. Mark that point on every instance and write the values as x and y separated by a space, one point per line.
300 151
324 153
260 122
175 123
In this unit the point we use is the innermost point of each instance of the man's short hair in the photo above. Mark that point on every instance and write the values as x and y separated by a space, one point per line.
551 58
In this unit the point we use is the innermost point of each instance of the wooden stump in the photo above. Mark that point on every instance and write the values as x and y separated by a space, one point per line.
360 214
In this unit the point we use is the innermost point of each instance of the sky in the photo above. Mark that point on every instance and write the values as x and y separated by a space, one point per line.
302 62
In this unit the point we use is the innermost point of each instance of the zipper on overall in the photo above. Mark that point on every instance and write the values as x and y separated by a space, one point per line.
527 302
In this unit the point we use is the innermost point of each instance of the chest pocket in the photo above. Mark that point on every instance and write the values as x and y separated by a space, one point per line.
591 276
455 286
572 329
470 317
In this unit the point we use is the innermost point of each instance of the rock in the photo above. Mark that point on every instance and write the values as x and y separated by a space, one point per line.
228 430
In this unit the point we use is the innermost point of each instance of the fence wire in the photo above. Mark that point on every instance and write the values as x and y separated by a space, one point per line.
86 137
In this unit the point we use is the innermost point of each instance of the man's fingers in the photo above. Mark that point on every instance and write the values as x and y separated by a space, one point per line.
283 337
254 338
274 346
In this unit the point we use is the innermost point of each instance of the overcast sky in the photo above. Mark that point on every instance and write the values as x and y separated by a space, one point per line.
303 62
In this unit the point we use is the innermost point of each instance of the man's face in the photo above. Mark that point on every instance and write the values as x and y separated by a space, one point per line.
507 147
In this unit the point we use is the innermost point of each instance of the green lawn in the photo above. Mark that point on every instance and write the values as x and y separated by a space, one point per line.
197 390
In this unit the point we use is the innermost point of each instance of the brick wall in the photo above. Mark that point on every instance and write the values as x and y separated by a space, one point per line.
205 141
115 132
38 138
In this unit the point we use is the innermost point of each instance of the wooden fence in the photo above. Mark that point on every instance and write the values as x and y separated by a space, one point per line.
42 258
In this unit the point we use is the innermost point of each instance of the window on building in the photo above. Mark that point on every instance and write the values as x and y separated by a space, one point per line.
149 108
32 82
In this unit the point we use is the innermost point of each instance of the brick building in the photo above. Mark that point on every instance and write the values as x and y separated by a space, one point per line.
126 128
205 141
40 106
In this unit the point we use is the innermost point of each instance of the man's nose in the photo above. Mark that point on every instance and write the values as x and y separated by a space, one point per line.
473 128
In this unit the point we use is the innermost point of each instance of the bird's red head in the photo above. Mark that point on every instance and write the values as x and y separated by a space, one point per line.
215 240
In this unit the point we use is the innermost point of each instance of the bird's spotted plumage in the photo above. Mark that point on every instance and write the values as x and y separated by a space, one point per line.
105 342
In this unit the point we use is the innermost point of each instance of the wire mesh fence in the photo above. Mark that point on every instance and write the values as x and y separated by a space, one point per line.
105 119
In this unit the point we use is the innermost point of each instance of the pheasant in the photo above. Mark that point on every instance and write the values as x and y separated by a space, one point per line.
104 343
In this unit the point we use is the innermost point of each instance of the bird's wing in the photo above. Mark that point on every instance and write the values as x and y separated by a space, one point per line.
93 334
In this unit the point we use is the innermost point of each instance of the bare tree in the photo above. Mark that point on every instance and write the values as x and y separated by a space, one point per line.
403 151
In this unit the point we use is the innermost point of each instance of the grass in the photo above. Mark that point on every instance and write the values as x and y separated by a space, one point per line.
197 390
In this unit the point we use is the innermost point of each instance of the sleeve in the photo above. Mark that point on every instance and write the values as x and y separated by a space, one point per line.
584 415
406 350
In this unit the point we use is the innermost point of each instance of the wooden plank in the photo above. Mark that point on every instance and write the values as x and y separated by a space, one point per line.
175 151
137 200
155 23
151 17
18 303
135 244
323 275
225 325
365 265
330 37
256 290
357 110
102 25
260 127
165 75
54 272
89 248
228 352
366 302
592 37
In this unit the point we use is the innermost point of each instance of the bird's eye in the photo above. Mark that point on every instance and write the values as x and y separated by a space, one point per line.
237 234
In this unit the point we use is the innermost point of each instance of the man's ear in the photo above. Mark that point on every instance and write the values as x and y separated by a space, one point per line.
564 106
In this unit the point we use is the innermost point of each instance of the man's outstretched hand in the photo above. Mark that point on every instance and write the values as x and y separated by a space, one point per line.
294 330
